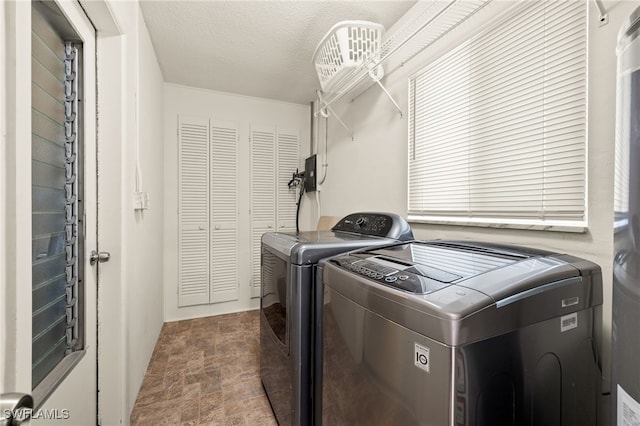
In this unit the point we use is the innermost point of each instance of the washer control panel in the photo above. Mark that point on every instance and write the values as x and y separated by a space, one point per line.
399 276
377 224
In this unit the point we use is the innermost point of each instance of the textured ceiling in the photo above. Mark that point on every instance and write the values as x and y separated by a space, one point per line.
254 48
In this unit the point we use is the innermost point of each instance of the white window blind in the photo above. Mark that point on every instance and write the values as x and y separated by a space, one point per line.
497 127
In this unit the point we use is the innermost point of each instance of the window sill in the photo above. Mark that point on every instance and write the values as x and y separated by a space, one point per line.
55 377
554 226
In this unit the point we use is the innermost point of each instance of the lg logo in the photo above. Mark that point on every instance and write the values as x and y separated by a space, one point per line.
421 359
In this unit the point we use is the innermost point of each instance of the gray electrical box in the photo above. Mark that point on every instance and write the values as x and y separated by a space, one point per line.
310 174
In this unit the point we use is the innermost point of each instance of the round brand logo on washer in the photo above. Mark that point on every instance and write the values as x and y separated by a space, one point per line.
421 358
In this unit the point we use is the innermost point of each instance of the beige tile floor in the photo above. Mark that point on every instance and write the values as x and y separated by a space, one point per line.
205 371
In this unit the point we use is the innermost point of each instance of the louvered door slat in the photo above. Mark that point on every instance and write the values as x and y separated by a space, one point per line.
256 237
263 194
224 211
288 143
193 213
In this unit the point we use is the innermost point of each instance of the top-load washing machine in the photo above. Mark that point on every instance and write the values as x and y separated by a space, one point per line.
447 333
287 317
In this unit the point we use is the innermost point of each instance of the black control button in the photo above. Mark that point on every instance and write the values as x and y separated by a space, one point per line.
391 279
361 222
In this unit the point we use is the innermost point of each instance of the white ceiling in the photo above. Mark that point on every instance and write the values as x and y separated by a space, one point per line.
254 48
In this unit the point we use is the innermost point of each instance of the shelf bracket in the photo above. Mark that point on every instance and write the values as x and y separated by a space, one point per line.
326 111
603 18
375 78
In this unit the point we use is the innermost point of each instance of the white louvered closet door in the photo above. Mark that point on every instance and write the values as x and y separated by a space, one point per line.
263 194
224 211
288 147
193 211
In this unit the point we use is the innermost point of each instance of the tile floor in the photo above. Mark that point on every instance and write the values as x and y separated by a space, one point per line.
205 371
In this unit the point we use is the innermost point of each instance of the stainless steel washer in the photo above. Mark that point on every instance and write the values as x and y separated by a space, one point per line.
287 317
450 333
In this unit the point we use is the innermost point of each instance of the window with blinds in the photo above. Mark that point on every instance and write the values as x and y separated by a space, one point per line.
497 127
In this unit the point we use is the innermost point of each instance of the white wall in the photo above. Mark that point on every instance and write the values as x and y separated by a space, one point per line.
144 236
181 100
375 164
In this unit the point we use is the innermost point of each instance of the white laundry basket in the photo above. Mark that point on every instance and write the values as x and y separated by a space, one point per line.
346 46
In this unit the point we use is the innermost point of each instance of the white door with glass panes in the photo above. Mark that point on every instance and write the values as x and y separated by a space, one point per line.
273 202
51 184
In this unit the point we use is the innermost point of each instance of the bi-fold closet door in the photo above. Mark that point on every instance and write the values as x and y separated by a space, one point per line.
208 204
207 211
275 153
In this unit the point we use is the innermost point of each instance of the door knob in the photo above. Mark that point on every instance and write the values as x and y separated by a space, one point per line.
15 408
101 257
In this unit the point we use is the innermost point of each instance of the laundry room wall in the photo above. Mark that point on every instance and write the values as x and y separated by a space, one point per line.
144 233
244 111
370 172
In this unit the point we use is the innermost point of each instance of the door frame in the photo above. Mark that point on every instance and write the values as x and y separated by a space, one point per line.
111 43
3 186
111 46
17 182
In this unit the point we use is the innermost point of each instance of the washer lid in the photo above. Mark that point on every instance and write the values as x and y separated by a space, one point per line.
457 292
499 271
448 262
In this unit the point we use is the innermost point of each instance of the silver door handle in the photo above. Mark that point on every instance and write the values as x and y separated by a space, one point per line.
15 409
101 257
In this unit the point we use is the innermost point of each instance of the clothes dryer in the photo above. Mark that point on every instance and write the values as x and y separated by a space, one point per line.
287 317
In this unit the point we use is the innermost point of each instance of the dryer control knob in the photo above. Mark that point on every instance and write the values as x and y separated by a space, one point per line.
361 222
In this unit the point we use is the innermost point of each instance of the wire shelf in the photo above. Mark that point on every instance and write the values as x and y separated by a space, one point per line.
422 26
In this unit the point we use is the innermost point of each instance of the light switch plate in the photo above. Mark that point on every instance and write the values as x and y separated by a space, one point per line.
140 200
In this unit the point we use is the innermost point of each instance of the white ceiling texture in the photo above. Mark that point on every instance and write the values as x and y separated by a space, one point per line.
254 48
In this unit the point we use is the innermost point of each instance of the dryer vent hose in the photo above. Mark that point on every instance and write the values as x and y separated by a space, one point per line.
297 179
